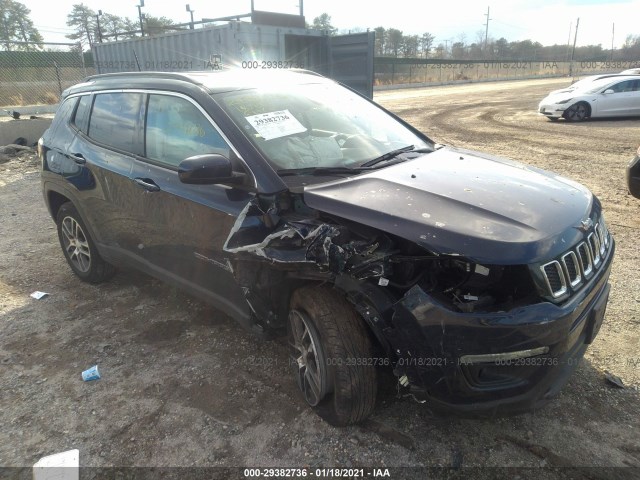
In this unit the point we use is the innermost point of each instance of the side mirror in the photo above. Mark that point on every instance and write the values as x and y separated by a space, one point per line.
608 91
207 170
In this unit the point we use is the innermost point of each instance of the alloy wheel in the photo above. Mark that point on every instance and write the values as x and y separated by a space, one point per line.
307 358
76 245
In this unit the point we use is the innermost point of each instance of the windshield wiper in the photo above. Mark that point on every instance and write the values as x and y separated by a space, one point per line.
394 153
319 171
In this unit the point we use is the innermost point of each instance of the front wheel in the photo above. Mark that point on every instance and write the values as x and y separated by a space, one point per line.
78 247
577 112
331 356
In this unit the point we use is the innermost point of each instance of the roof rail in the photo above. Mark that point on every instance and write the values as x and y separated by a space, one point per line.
173 75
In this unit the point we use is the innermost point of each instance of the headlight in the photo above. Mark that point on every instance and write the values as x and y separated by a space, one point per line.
564 101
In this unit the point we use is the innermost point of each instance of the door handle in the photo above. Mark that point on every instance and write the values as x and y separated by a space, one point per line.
146 183
78 158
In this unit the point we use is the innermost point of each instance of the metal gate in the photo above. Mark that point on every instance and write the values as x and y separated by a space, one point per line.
351 61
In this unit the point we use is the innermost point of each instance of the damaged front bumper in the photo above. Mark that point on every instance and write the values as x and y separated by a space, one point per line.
481 363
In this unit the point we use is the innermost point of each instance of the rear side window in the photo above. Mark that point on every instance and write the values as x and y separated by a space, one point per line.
63 113
113 120
177 129
81 119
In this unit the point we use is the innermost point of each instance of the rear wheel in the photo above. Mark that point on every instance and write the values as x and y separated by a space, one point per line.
331 356
577 112
78 247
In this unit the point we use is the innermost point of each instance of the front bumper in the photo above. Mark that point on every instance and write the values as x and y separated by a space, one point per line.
633 176
438 340
552 110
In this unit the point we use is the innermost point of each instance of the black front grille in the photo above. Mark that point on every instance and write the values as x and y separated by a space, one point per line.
578 265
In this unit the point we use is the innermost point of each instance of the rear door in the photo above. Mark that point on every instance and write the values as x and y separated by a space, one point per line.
104 147
181 229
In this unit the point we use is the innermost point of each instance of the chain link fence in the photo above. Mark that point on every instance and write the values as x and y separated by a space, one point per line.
390 71
38 78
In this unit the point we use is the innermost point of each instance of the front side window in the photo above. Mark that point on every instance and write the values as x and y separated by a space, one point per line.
626 86
316 125
177 129
113 120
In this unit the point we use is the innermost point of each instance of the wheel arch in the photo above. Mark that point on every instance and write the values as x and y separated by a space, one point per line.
589 109
55 200
369 302
58 196
372 304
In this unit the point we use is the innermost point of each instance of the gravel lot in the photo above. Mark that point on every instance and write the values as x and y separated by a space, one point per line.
183 385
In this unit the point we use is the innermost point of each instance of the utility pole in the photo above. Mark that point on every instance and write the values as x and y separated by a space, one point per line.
98 22
573 51
191 12
569 41
613 33
486 32
301 8
139 7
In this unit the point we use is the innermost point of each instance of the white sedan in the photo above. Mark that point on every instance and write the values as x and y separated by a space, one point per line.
607 97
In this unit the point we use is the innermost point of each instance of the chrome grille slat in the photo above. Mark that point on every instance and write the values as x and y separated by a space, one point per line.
572 268
601 238
594 246
586 261
555 278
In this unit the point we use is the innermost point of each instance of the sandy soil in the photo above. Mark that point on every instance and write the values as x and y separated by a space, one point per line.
183 385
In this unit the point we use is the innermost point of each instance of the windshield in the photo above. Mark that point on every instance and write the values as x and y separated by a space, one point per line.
316 126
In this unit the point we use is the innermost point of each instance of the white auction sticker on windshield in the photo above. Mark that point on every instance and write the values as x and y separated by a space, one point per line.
276 124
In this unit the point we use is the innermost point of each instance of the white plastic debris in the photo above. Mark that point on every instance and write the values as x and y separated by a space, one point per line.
38 295
60 466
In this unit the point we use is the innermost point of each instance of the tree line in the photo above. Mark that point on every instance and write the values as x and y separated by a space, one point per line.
17 32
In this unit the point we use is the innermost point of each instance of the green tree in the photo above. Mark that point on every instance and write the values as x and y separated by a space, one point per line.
323 22
130 26
112 25
83 20
394 40
380 41
426 42
409 46
157 25
16 26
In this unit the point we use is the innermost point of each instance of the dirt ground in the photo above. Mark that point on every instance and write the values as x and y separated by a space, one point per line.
183 385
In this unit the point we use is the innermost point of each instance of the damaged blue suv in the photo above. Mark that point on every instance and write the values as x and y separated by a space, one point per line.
298 207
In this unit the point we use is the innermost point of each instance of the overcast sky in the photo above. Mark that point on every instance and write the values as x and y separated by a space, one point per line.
545 21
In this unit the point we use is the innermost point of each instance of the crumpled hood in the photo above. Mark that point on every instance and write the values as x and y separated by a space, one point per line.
456 201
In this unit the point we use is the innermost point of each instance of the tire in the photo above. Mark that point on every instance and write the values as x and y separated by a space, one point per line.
577 112
78 247
326 340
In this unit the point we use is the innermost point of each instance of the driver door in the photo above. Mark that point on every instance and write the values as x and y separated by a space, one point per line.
625 99
181 228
